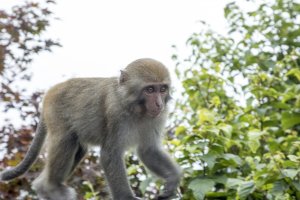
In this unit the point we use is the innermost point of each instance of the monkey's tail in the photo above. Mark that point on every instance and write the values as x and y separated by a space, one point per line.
30 157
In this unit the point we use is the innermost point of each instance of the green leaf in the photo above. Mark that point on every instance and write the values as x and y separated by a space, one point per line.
206 115
254 137
216 101
209 159
180 130
296 184
200 187
294 158
132 169
216 149
290 119
231 157
288 96
280 105
88 195
220 179
144 184
294 72
245 189
278 188
227 129
291 173
233 183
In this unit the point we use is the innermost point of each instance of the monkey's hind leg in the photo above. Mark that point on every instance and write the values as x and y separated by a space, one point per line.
80 153
50 185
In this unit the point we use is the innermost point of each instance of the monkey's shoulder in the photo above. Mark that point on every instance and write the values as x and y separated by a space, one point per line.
80 88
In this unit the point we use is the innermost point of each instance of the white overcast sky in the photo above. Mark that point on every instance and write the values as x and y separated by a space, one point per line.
101 37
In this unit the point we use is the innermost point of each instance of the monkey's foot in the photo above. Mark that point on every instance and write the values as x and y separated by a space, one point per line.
58 192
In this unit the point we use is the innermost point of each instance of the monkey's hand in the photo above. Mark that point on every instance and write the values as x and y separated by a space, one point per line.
166 195
170 188
136 198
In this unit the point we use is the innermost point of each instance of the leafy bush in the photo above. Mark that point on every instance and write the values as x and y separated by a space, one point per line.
239 118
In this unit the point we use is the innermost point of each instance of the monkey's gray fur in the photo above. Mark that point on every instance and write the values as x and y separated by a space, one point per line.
114 113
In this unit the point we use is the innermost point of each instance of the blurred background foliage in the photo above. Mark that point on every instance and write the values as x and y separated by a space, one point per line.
238 136
235 131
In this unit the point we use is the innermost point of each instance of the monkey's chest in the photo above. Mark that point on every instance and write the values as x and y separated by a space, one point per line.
136 134
128 135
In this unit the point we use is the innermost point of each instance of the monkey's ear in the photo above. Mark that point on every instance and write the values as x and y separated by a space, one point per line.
123 77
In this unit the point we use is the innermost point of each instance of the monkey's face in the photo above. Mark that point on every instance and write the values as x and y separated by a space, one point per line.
154 98
144 87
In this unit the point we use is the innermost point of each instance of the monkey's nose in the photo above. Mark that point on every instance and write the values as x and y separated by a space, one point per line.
159 105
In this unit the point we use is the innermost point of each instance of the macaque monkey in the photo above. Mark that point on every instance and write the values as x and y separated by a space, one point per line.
115 113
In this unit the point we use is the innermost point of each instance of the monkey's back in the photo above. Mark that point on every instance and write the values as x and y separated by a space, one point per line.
77 105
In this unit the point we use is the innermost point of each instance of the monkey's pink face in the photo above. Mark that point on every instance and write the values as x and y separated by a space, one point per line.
155 96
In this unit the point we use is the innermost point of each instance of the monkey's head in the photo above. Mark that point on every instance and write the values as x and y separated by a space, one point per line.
145 87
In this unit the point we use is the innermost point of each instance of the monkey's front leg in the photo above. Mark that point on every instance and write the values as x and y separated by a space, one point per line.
114 168
161 164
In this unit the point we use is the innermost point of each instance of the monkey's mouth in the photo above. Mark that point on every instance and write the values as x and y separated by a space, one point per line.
154 113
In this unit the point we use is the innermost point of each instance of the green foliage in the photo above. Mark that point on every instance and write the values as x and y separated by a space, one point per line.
90 193
239 118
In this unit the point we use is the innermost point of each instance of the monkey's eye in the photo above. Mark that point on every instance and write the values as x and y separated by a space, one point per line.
163 89
149 89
